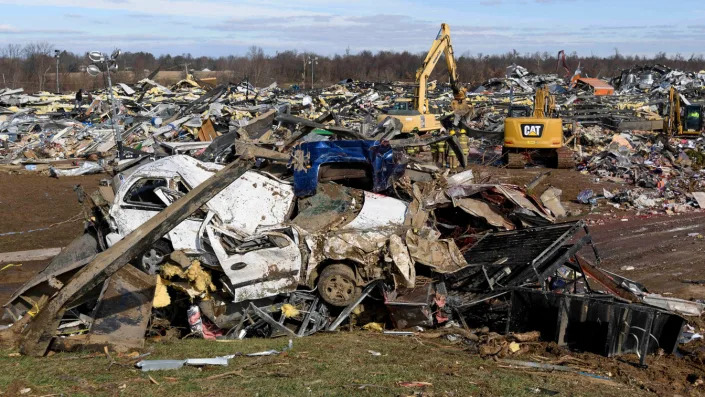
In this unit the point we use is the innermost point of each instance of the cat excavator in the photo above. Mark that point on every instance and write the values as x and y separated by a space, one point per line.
415 114
683 119
537 135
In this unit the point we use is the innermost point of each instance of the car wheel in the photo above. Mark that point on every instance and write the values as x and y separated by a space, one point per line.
337 285
154 256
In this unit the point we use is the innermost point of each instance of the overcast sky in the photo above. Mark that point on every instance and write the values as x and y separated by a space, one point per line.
221 27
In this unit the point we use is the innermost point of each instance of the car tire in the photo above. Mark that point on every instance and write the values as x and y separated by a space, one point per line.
152 258
337 285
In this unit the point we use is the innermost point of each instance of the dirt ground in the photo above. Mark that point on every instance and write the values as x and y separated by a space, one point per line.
663 250
39 211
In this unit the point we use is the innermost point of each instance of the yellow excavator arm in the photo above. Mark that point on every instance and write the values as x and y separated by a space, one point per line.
673 124
544 103
441 45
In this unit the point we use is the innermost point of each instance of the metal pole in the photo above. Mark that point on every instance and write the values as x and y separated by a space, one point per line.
312 62
57 74
116 128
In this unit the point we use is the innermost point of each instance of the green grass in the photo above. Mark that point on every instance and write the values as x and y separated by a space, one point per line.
321 365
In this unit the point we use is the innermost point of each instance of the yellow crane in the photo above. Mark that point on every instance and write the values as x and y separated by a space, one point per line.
415 114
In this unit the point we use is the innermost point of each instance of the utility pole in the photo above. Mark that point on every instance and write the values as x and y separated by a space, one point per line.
109 62
312 60
303 75
57 55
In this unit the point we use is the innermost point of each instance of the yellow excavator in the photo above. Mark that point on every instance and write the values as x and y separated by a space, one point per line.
682 120
531 136
415 114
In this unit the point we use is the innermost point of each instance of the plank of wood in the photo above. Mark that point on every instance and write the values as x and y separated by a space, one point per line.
207 132
30 255
42 328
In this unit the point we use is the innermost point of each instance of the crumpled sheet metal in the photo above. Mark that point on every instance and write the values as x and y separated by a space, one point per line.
403 263
481 209
441 255
158 365
361 247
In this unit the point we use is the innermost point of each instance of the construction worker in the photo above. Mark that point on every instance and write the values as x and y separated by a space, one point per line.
79 100
452 158
464 141
441 153
434 152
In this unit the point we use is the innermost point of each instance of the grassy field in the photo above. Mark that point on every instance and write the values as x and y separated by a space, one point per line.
321 365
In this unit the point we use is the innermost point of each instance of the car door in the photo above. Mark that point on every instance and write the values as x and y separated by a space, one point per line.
142 200
259 266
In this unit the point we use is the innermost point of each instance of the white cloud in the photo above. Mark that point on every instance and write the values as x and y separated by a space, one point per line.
7 29
210 9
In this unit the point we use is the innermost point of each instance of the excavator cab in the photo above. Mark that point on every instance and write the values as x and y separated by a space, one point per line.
693 122
519 111
411 119
404 105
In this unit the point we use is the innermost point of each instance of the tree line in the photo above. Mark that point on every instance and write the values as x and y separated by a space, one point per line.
32 66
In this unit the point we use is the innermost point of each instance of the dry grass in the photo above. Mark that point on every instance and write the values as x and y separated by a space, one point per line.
324 364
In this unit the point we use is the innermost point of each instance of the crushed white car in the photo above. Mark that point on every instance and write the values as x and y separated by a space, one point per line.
249 233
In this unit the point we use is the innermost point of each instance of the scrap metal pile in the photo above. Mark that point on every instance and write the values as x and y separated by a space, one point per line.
658 173
657 79
43 130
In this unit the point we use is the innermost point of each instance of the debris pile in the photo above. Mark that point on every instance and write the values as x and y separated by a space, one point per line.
520 80
249 250
657 79
658 173
239 212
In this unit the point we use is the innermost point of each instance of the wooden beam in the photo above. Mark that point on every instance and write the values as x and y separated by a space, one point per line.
27 256
42 328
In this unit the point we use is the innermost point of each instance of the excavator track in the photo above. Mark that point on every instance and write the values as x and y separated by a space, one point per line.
565 158
515 160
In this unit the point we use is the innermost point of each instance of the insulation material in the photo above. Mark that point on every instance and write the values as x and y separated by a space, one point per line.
551 198
161 295
199 280
289 310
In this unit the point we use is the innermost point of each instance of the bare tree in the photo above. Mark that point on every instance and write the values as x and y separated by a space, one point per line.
258 63
10 63
27 66
38 60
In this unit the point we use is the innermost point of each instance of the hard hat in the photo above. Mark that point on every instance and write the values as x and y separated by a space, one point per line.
462 130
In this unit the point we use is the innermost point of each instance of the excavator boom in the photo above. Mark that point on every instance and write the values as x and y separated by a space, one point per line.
441 45
544 103
419 117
